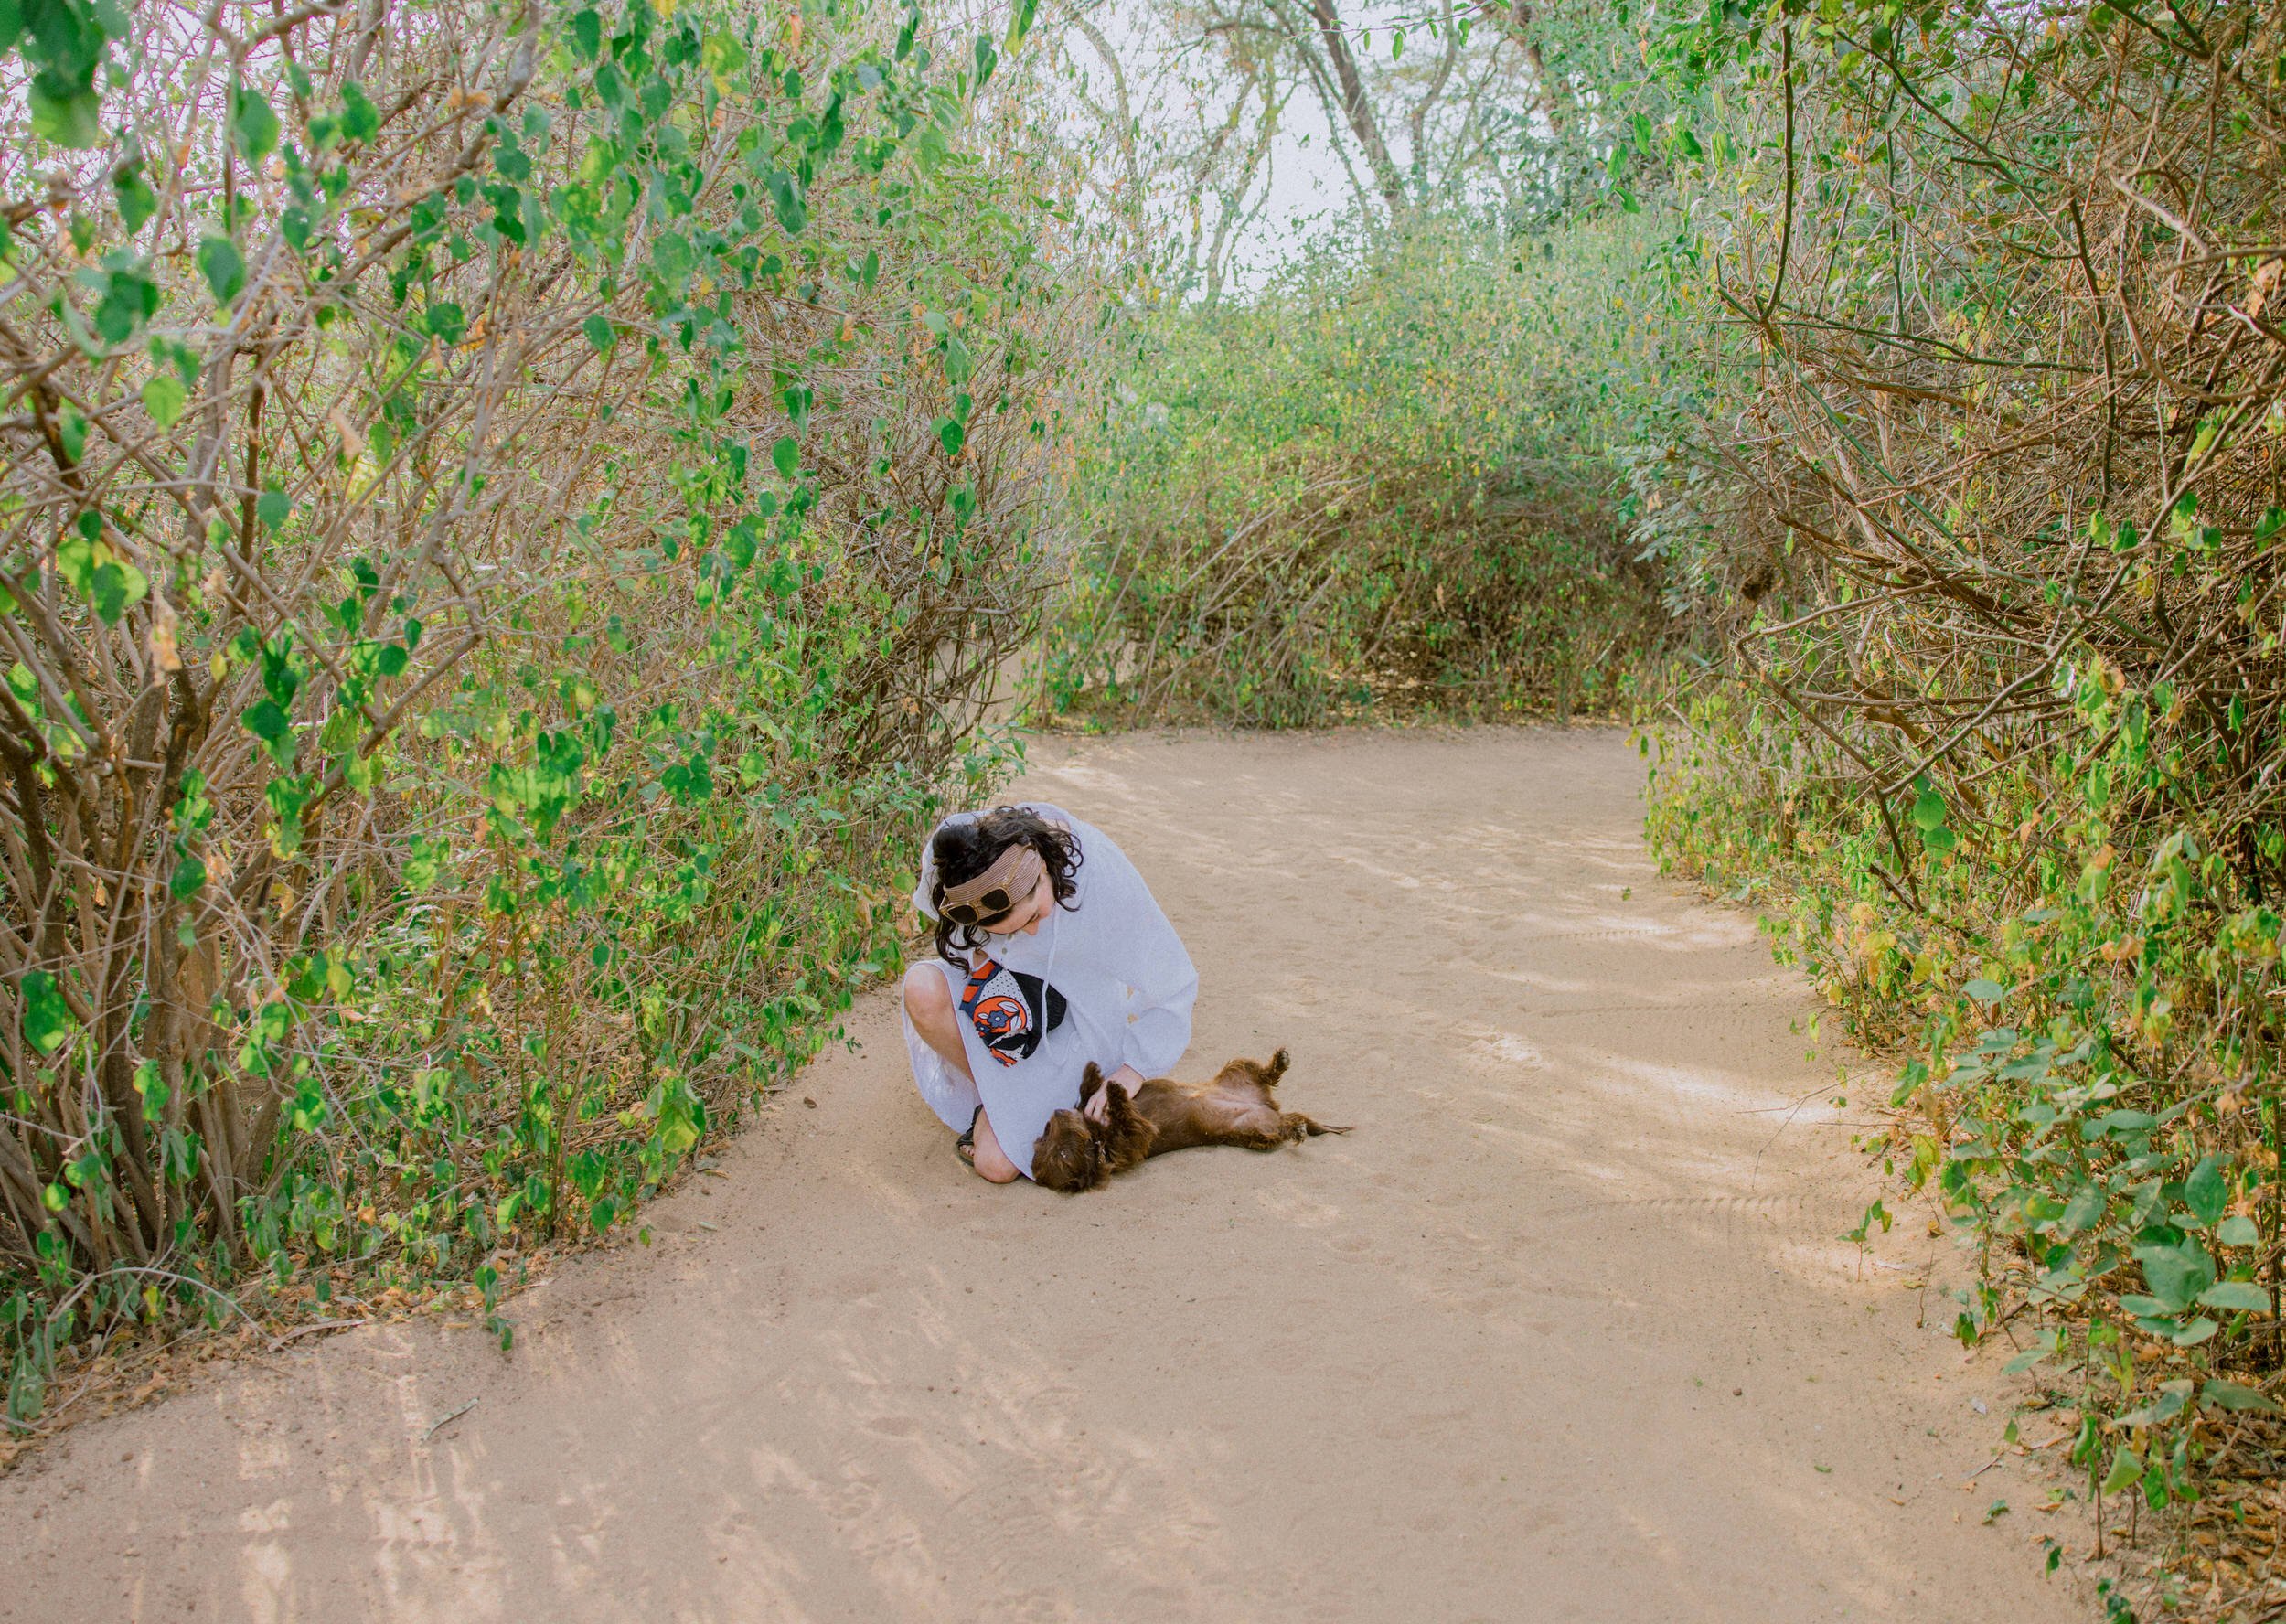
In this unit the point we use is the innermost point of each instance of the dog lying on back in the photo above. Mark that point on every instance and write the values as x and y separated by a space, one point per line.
1238 1107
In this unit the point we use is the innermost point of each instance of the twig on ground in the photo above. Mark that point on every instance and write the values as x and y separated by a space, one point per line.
302 1331
447 1420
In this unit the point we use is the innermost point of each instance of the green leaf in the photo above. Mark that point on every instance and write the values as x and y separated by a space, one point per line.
2237 1229
2205 1192
447 321
130 299
110 585
67 114
2126 1469
1928 810
2229 1396
792 215
253 123
422 864
48 1020
2170 1402
273 507
951 435
224 268
361 120
164 397
2176 1274
2235 1296
1985 992
189 878
267 722
118 587
137 201
787 457
2087 1205
587 34
600 333
738 547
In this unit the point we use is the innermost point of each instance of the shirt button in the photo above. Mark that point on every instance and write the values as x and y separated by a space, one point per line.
1131 1020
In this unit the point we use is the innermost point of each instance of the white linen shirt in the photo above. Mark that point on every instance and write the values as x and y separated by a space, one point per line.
1128 987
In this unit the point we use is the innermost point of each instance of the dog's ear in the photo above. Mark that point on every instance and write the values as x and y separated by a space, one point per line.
1090 1081
1088 1156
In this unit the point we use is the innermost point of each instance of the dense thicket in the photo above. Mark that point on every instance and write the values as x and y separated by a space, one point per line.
1982 516
510 517
1383 486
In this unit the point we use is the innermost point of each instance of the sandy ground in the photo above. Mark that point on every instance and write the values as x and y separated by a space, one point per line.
1562 1331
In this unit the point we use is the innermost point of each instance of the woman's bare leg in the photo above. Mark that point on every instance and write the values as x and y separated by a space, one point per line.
930 1004
992 1162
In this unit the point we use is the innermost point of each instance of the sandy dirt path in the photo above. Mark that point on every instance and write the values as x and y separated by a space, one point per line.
1561 1333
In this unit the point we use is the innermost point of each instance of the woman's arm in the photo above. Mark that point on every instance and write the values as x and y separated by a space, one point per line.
1126 1077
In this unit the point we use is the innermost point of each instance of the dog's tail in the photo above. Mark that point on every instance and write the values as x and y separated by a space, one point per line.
1296 1124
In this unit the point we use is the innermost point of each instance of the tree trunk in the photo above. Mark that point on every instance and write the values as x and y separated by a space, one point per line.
1356 108
1519 17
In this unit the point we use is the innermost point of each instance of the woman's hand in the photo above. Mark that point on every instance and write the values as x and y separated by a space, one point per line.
1098 1109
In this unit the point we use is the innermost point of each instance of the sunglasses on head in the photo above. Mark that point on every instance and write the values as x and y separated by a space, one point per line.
997 891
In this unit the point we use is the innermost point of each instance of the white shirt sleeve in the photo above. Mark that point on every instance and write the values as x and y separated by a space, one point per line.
1161 983
1160 1030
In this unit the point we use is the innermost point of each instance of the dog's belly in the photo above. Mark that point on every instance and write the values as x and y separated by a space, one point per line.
1210 1114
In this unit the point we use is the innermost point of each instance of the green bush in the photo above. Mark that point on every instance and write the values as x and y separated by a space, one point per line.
511 526
1979 526
1381 488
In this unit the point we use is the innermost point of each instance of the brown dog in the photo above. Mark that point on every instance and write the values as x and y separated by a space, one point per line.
1237 1108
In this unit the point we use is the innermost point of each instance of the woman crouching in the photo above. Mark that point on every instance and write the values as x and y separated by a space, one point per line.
1050 953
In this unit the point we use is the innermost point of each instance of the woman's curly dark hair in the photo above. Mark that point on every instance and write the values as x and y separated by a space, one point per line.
962 850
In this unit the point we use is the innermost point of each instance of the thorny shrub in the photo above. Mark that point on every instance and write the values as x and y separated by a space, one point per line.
1985 517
